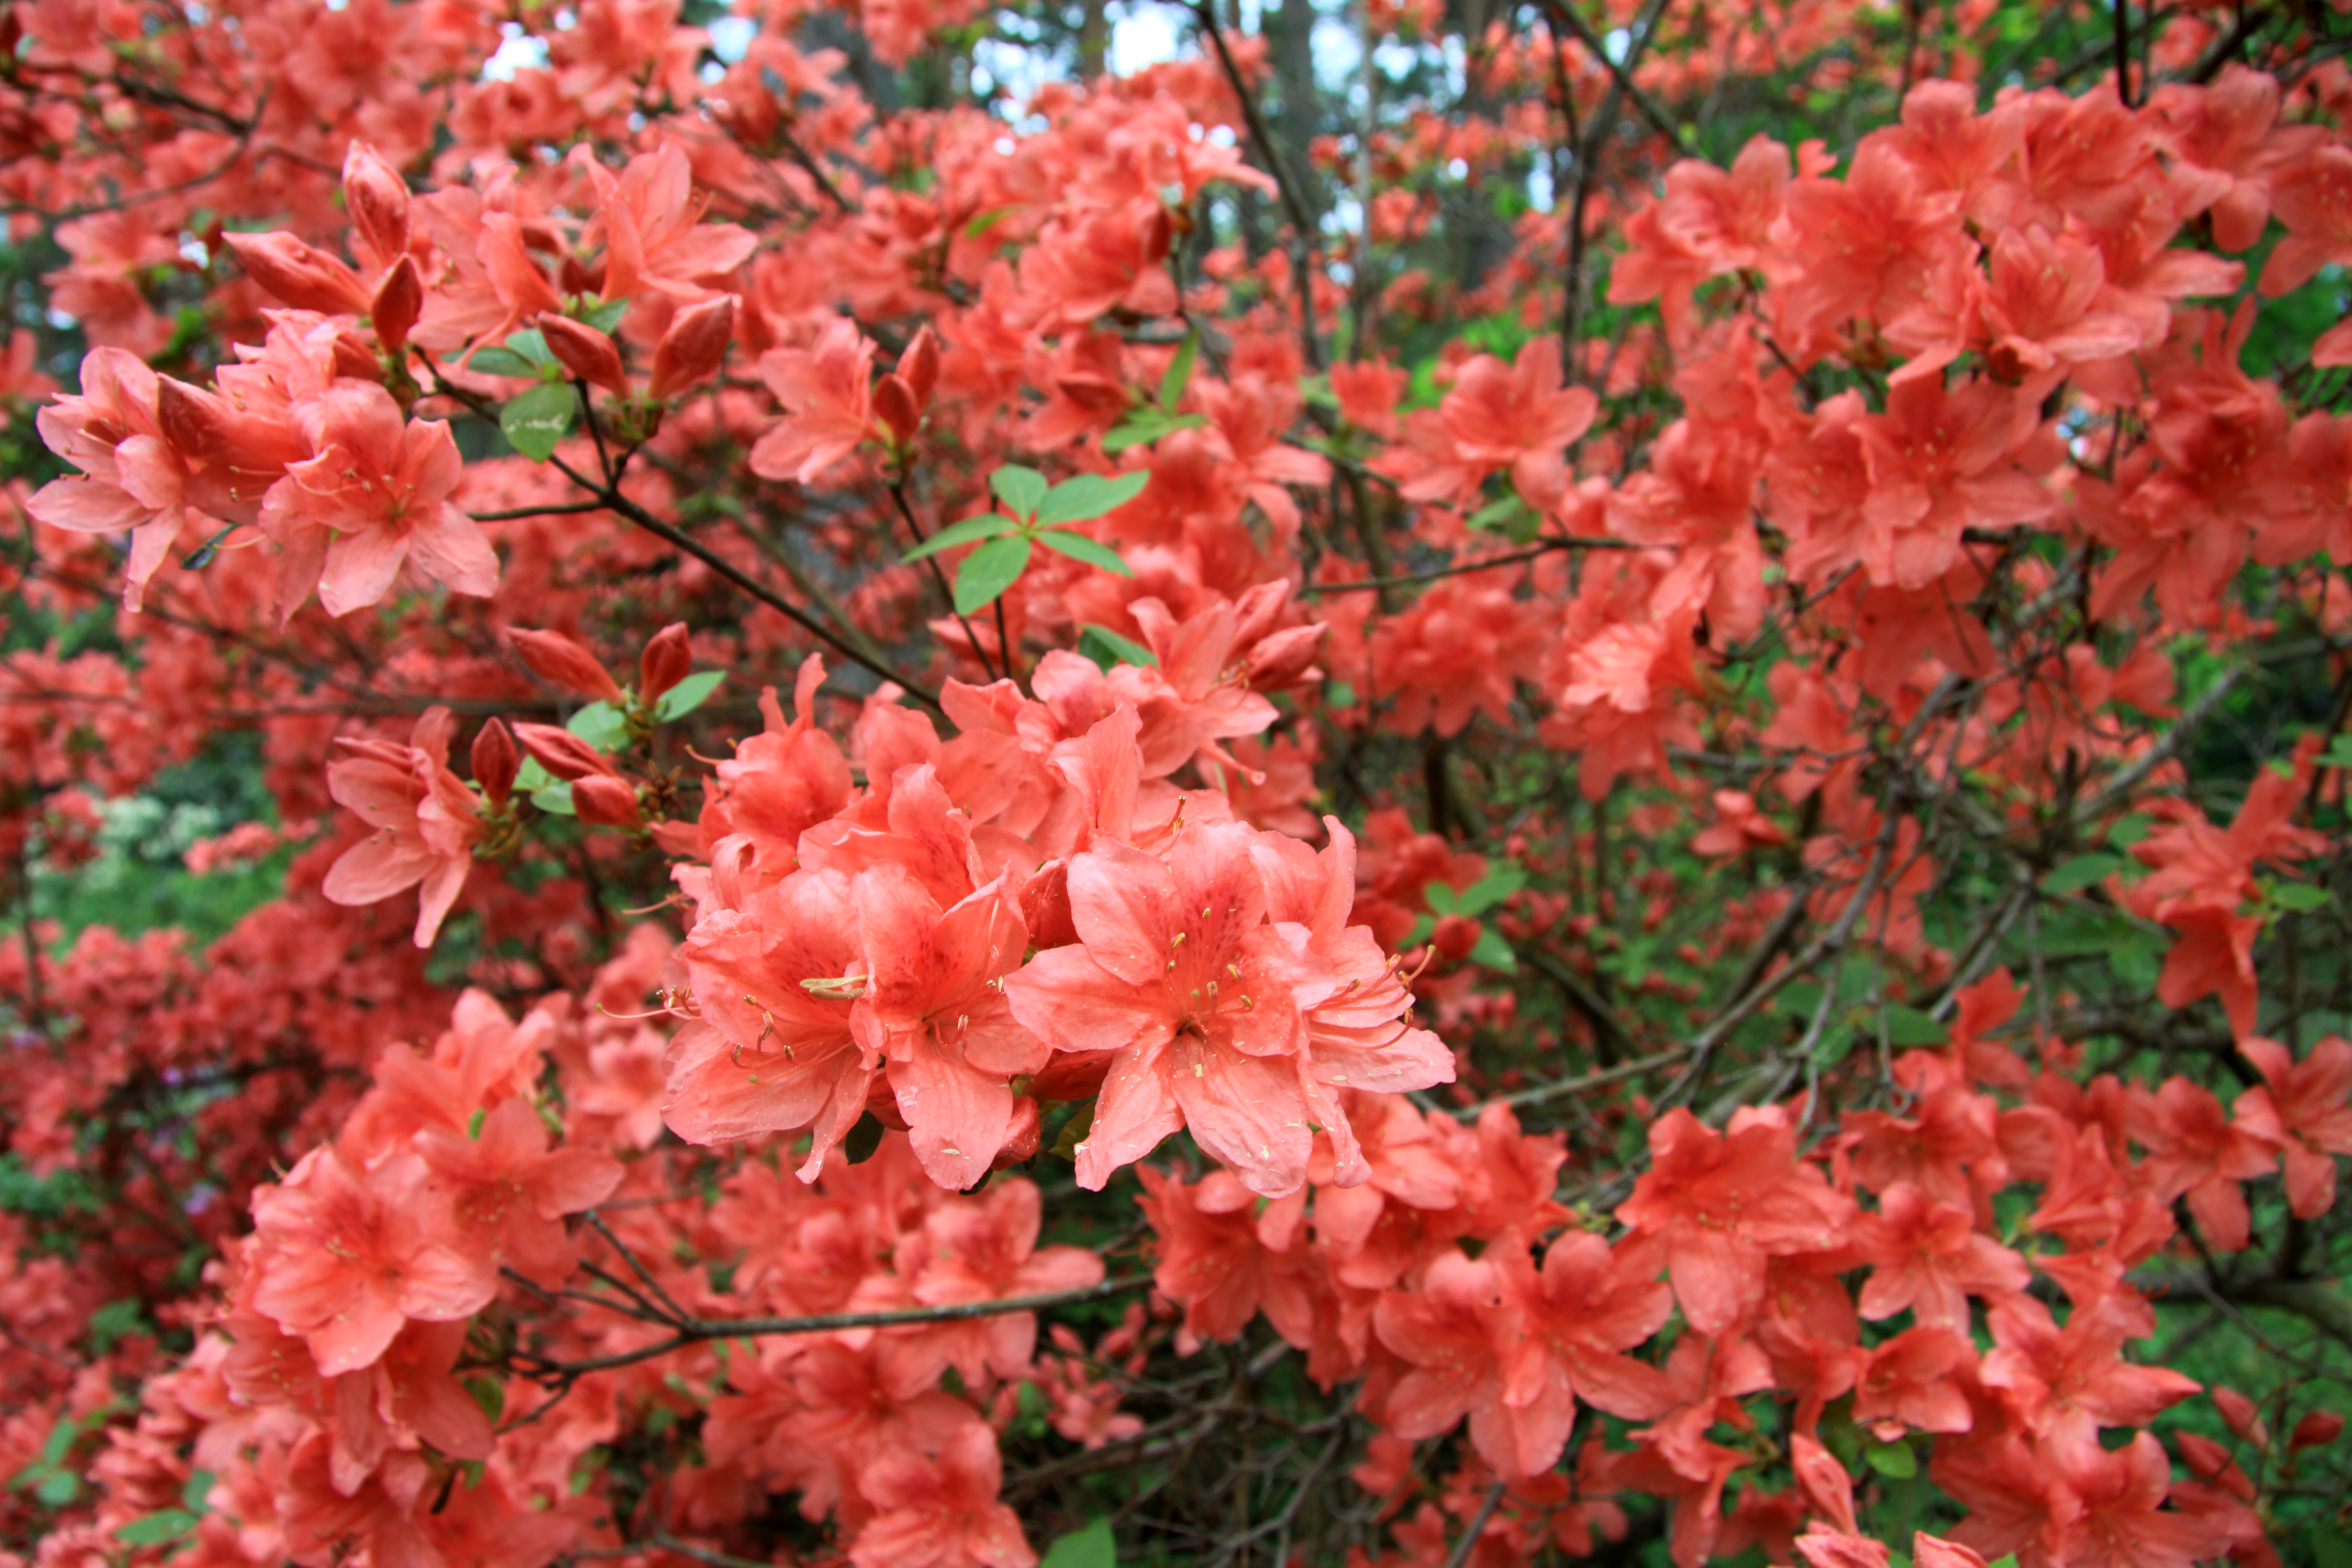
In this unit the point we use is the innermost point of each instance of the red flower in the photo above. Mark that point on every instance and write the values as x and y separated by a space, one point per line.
346 1257
2305 1108
940 1512
426 822
1714 1208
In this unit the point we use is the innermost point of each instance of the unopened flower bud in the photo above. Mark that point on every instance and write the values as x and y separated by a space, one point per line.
496 761
2242 1415
555 657
562 753
299 273
694 346
894 404
666 661
1454 936
399 301
1022 1133
602 801
354 358
2315 1430
377 198
919 367
584 351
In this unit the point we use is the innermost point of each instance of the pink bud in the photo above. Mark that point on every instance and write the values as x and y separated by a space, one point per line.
300 274
894 404
2315 1430
603 801
695 346
553 656
2245 1418
377 198
585 352
919 367
666 661
399 301
563 753
495 762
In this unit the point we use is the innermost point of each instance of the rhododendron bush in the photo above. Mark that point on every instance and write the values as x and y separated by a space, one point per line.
1441 786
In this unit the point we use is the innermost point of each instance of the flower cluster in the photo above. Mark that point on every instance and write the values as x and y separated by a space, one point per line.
754 809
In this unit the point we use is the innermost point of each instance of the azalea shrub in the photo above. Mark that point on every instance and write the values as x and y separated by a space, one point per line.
1442 785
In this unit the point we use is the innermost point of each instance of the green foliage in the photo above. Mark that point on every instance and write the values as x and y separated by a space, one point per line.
1092 1547
536 421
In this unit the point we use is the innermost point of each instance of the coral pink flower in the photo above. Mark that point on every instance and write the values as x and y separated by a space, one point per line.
777 1048
828 398
510 1191
131 479
1206 1004
374 492
1717 1206
649 219
940 1512
345 1256
937 1013
1517 416
2305 1108
427 822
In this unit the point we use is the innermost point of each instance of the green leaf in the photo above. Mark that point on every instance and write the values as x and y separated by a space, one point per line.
61 1439
2329 1549
1106 647
1492 888
202 555
1798 998
1835 1045
2082 871
987 525
1021 489
531 343
495 361
988 571
538 419
687 695
2126 832
196 1496
1139 428
1495 513
2338 753
1910 1026
2301 896
982 222
1340 694
530 777
602 725
1895 1461
1073 1131
112 1322
490 1395
1491 952
1179 372
1440 897
606 318
57 1487
2009 1560
1144 425
156 1529
1093 1547
1091 496
1078 547
555 799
